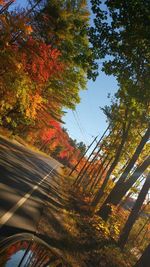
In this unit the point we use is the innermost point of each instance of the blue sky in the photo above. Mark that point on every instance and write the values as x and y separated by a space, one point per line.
22 3
92 119
89 120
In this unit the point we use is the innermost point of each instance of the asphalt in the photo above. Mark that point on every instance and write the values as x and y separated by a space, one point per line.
20 171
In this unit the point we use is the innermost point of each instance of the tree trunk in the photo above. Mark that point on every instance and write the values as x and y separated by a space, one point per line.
120 189
85 168
95 173
134 213
92 175
79 177
100 171
112 167
100 175
144 259
113 197
135 156
74 168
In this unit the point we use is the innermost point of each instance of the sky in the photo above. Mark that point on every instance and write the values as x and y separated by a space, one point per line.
89 120
89 116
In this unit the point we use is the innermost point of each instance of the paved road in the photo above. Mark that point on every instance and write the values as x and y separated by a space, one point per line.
25 178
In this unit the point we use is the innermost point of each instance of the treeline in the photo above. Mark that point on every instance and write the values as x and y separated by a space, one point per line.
55 141
121 37
45 60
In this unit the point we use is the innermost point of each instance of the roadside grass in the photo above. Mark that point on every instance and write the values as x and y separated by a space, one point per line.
81 239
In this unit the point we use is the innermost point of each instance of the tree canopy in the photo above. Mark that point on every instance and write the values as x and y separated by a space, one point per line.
121 38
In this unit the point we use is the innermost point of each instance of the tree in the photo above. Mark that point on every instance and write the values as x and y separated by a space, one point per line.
121 36
82 147
23 80
37 45
113 164
14 82
134 213
41 61
125 119
64 24
121 188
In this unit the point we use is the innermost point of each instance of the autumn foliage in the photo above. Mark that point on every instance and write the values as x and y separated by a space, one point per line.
54 140
42 65
41 61
42 70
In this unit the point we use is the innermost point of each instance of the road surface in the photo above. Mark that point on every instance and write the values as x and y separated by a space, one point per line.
25 178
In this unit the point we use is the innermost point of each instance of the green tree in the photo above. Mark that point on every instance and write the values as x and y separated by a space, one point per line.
125 118
121 37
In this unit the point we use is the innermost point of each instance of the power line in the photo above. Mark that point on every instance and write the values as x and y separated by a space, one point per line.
80 127
78 117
